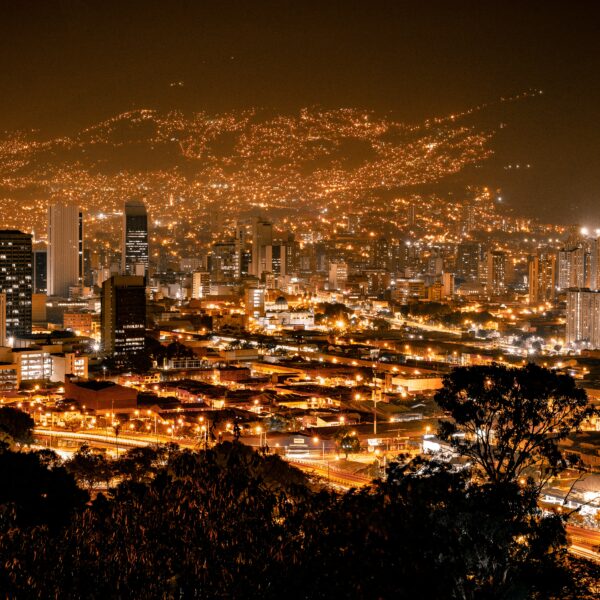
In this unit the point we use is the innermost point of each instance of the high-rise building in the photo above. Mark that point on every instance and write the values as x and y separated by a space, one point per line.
262 236
542 277
572 272
200 284
123 315
16 275
2 319
40 272
467 261
583 318
496 272
381 256
595 264
338 275
65 249
223 261
134 245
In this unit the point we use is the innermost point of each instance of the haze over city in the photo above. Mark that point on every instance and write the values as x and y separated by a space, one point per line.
299 299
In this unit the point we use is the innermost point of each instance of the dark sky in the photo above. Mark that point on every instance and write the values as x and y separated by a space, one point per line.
67 63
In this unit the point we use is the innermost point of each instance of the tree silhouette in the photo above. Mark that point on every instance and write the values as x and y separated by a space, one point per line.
16 426
509 421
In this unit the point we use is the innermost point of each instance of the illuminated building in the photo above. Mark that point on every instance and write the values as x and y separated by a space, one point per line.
200 284
583 318
542 277
496 272
223 262
572 272
467 261
134 246
262 237
16 280
2 319
595 264
65 249
255 302
123 323
381 256
338 275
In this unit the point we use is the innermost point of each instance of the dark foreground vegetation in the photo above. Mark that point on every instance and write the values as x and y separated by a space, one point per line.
230 523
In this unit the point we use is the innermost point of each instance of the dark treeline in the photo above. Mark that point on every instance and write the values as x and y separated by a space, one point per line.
231 523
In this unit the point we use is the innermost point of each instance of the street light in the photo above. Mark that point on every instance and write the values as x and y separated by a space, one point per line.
316 441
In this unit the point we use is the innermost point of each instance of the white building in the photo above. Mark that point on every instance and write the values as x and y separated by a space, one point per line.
65 249
583 318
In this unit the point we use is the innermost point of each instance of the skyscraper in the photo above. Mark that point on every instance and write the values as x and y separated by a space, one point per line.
542 277
583 318
40 272
2 319
123 315
65 249
467 261
496 272
573 268
16 280
262 236
200 284
134 247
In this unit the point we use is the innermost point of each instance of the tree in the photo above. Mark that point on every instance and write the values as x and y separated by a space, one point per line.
39 490
16 425
87 467
347 441
509 421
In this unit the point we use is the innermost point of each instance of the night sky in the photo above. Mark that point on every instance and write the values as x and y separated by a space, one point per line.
66 64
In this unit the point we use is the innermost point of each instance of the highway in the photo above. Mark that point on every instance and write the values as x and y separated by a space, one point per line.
583 542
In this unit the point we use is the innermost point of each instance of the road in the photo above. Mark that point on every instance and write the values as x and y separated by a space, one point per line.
583 542
332 474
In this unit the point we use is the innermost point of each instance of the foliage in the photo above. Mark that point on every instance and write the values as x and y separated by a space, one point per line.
231 523
36 489
16 426
347 441
509 421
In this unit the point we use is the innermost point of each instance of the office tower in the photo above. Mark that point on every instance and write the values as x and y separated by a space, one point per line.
89 259
123 315
583 318
65 249
200 284
2 319
134 246
469 255
435 266
496 272
262 236
223 261
448 284
16 273
40 272
338 275
381 255
542 277
276 256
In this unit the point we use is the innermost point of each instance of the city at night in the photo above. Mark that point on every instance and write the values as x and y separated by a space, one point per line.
299 299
